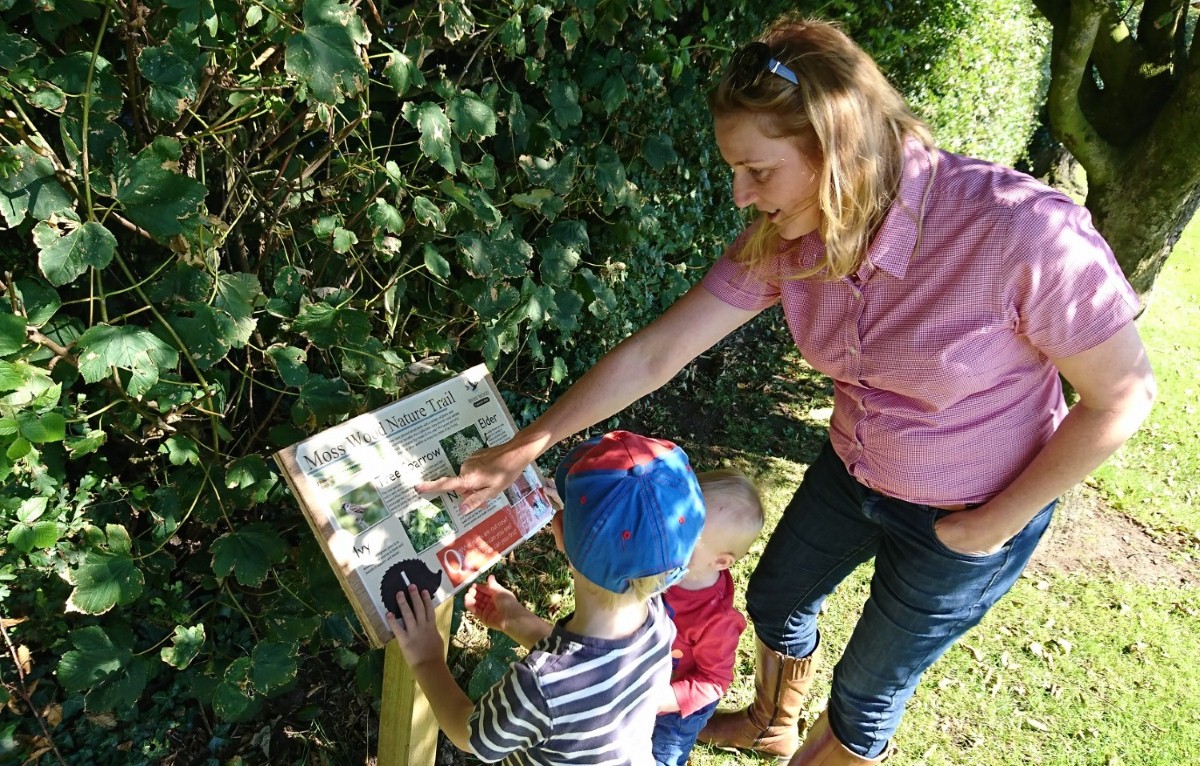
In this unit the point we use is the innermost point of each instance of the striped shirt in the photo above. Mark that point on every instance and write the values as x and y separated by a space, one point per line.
940 346
578 700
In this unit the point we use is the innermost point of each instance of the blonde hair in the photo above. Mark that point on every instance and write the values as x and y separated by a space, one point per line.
744 513
640 589
860 124
643 588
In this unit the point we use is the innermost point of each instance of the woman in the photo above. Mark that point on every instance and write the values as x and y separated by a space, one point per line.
944 296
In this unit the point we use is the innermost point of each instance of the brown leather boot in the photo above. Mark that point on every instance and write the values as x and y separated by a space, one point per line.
770 724
822 748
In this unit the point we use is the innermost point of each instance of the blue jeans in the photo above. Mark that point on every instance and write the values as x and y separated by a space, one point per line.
675 735
923 597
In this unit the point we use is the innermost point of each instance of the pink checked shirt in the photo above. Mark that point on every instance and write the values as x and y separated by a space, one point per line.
940 352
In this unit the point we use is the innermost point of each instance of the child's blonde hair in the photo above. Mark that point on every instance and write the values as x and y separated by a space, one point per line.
744 512
640 590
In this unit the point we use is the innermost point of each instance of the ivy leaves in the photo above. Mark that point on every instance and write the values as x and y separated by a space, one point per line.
63 257
241 224
270 668
134 349
105 580
434 126
471 117
248 553
212 330
27 419
102 664
31 531
29 187
154 195
12 339
325 55
151 191
465 118
328 326
173 69
562 250
186 643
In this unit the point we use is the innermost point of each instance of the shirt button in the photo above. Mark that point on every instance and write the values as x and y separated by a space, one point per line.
853 351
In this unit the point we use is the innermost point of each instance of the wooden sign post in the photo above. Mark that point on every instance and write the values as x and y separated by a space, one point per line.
408 732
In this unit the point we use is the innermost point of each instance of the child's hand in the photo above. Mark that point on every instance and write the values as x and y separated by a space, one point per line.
667 701
496 607
552 495
416 629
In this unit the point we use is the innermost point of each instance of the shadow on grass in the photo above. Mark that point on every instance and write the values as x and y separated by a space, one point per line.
750 397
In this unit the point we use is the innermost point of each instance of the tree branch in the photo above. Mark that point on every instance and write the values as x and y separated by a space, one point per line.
1179 117
1155 38
1194 54
1179 41
1073 42
1115 51
1138 73
23 688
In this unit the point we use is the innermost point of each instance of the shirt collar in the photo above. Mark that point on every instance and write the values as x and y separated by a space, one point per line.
894 245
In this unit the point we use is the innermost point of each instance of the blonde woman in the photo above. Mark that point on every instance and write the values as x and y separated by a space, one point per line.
944 296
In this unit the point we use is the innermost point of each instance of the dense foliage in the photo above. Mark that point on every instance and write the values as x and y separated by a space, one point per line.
228 225
982 91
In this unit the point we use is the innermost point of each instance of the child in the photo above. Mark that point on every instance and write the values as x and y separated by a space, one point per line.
589 688
701 606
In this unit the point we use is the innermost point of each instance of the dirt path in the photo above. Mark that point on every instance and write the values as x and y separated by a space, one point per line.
1086 536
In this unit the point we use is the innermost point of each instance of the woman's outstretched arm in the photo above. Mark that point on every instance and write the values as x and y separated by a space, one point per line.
638 365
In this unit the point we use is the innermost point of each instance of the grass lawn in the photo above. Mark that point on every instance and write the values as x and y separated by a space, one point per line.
1154 477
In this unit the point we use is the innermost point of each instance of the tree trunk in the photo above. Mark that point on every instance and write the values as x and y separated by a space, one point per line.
1143 212
1128 108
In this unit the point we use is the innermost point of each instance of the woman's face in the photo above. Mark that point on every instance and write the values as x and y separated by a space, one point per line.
773 174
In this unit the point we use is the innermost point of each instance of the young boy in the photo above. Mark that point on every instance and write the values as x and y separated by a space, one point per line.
701 606
589 688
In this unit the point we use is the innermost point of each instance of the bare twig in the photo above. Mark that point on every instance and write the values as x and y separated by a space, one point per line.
12 651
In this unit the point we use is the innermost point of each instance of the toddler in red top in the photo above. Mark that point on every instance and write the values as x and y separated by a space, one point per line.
701 605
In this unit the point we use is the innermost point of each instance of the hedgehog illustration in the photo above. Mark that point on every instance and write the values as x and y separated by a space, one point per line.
398 577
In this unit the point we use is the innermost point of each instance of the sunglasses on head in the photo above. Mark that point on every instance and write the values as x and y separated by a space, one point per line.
748 63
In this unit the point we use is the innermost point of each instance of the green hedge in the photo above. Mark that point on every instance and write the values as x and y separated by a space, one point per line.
227 225
977 72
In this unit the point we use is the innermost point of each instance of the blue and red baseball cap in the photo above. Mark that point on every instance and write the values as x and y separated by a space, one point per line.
632 508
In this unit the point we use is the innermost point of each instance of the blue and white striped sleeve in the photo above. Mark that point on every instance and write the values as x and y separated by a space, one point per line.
510 717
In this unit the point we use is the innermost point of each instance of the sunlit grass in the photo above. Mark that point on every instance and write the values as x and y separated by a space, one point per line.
1156 477
1066 670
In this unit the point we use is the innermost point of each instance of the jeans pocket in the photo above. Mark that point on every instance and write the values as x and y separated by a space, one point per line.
1029 535
936 514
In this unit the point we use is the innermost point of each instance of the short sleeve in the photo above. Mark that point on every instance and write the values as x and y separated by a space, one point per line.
732 283
1064 284
511 716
